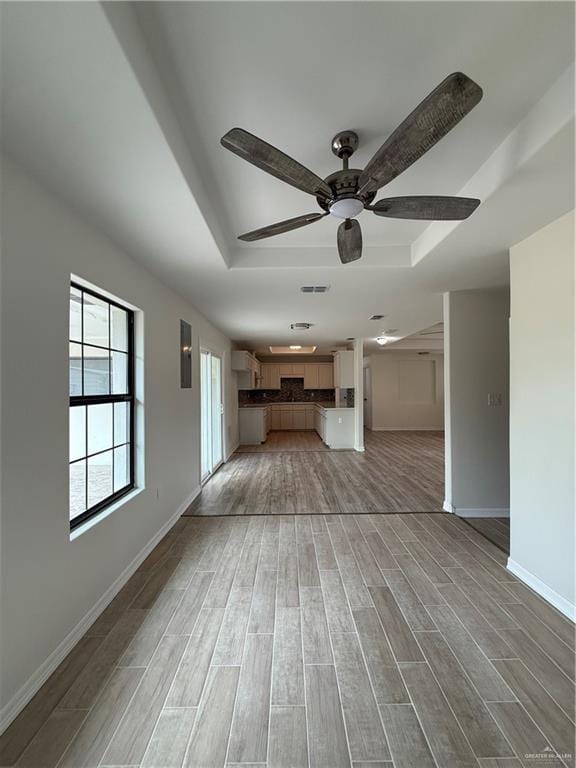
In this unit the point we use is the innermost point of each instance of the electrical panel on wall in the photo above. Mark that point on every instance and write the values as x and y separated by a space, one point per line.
185 355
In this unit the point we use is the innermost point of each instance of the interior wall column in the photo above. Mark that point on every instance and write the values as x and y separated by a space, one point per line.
476 376
359 395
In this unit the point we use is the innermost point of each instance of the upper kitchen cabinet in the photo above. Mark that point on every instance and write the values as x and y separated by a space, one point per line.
318 376
291 369
270 376
325 376
344 369
248 369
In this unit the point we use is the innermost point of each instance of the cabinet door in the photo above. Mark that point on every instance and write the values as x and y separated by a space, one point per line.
285 369
286 419
310 418
276 420
311 376
297 369
325 376
344 369
274 376
270 376
299 420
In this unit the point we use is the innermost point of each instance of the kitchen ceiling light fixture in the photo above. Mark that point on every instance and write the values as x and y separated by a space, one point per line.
346 193
293 349
382 340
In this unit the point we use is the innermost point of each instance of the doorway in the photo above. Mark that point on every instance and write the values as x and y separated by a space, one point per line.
212 411
367 398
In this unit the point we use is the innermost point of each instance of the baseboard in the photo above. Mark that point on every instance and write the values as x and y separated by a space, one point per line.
552 597
232 451
447 507
17 703
482 512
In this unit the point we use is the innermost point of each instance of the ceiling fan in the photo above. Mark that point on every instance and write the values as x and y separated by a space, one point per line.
348 192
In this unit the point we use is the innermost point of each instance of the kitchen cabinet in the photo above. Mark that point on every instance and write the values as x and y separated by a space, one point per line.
344 369
325 376
311 377
286 418
252 425
318 376
275 418
248 368
270 376
299 419
291 369
309 418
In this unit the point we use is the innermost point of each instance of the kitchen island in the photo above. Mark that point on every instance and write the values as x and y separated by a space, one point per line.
334 425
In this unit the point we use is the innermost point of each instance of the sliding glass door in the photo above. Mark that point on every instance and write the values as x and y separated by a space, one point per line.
212 412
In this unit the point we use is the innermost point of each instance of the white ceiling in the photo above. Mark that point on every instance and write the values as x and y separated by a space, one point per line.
120 107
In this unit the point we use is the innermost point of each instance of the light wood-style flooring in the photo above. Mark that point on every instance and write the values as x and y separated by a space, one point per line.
399 472
372 641
284 441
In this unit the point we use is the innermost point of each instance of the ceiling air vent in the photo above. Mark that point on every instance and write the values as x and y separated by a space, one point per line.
300 326
377 317
315 288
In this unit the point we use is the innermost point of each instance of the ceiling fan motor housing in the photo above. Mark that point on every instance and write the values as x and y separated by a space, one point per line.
344 185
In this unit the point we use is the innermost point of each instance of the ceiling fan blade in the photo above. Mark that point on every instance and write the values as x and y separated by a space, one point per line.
282 226
433 208
432 119
273 161
349 241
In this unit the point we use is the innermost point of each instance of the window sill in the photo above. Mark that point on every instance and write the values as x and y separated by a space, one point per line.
85 527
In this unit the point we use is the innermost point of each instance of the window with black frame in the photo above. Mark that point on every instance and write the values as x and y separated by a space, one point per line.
101 402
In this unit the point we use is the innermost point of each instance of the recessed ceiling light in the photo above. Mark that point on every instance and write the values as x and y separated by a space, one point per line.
382 340
293 349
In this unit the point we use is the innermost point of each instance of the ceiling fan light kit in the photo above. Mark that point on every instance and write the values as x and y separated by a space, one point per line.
346 193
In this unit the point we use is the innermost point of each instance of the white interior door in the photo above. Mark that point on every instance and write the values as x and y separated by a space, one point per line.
212 411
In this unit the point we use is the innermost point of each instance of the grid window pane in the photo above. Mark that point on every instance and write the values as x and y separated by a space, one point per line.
75 314
101 402
96 371
77 432
99 477
121 423
119 373
99 427
121 468
96 321
118 328
75 361
77 488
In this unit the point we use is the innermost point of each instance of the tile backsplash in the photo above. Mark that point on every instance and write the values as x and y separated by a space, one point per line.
291 390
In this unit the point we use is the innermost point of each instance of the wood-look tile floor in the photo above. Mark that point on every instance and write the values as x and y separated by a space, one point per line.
371 641
286 441
399 472
496 529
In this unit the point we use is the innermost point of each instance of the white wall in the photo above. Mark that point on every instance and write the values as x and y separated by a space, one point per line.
48 581
476 364
407 390
542 425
